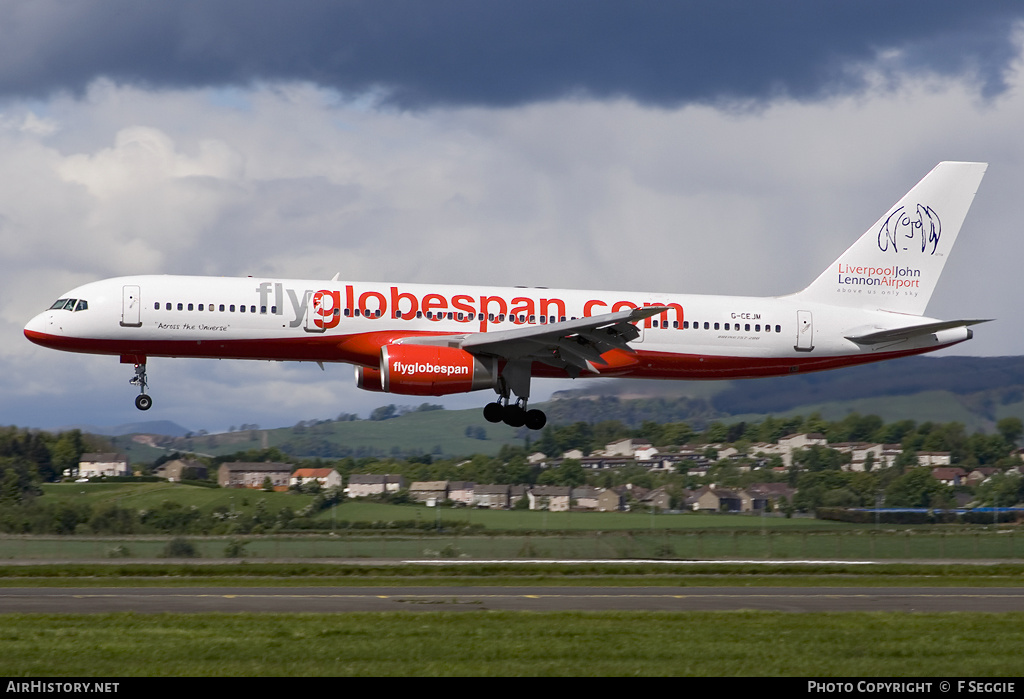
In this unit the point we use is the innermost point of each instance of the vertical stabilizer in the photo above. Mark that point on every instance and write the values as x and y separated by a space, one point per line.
895 265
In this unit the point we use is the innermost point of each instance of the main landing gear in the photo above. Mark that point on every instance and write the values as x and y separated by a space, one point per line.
142 401
515 414
515 378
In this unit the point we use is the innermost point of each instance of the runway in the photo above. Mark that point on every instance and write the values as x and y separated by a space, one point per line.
537 599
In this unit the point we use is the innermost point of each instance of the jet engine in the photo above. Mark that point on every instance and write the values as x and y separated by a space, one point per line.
429 370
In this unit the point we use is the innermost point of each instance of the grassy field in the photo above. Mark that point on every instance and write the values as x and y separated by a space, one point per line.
716 644
736 544
144 496
625 574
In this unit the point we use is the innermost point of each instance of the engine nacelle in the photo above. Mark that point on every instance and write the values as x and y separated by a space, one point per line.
427 370
369 379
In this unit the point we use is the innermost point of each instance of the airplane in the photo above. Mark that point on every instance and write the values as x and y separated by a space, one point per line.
433 340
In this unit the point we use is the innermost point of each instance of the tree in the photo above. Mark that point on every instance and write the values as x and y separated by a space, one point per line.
385 412
916 488
1011 428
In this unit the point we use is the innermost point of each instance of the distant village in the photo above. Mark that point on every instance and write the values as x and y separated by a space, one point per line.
776 459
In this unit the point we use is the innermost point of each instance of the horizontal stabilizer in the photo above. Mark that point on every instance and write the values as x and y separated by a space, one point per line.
870 336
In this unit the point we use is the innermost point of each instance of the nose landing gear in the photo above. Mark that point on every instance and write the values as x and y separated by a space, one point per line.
142 401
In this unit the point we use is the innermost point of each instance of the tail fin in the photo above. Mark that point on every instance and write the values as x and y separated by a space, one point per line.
895 265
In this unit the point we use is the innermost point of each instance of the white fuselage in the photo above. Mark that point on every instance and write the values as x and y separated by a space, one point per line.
302 320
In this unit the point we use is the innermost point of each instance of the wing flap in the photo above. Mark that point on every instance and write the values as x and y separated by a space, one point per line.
575 345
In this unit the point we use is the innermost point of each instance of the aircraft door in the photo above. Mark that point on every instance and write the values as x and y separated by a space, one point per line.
804 332
131 307
315 313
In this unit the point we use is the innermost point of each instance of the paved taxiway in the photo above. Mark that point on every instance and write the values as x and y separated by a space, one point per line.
376 599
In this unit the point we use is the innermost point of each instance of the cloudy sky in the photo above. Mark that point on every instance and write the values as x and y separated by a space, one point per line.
727 147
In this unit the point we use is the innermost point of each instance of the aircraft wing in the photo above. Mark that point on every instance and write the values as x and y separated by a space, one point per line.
873 336
569 345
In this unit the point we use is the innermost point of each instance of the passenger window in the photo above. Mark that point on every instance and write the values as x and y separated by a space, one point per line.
686 325
252 309
156 306
707 325
232 307
181 307
200 307
757 328
241 309
778 328
167 307
746 328
716 326
263 309
190 307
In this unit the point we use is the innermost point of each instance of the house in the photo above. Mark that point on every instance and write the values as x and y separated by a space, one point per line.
585 497
430 492
712 499
494 497
326 477
933 458
610 501
804 440
242 474
626 447
657 498
182 469
980 475
950 476
554 498
94 465
517 493
461 492
646 453
361 485
760 494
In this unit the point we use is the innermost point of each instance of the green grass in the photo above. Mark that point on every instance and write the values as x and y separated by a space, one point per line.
473 643
144 496
312 574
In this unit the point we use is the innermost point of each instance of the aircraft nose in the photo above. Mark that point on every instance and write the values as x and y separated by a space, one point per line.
39 327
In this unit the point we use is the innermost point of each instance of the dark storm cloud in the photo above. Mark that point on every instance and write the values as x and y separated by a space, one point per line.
506 52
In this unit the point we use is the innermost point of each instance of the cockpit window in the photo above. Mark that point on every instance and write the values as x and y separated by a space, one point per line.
70 305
